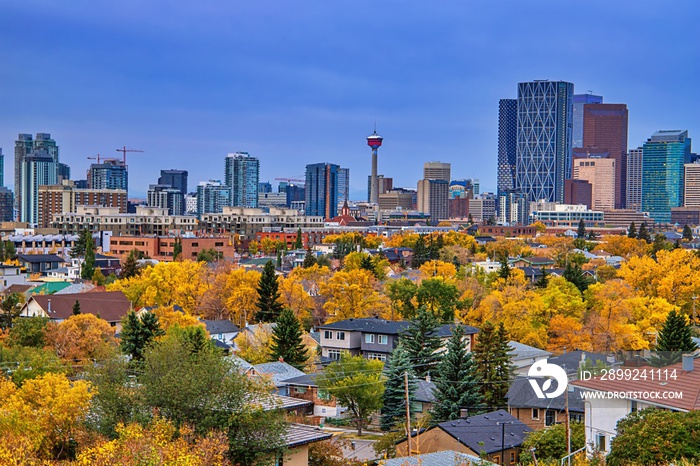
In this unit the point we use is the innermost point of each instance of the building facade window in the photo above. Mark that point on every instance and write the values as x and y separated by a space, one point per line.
369 338
377 356
340 335
550 417
327 334
382 339
535 413
334 355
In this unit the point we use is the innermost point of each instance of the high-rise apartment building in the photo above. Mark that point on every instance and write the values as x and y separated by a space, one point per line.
600 173
166 197
2 168
605 129
507 143
242 175
436 171
634 179
322 189
264 187
384 184
433 195
212 197
174 178
343 187
691 188
26 145
577 123
66 198
665 155
7 205
110 174
543 157
37 168
513 208
295 193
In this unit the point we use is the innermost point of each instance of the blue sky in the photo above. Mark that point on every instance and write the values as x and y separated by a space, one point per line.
297 82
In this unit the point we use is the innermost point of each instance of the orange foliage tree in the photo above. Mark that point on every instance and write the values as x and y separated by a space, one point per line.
81 338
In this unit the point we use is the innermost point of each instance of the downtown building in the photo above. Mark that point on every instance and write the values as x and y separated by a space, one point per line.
25 146
507 145
321 190
212 197
110 174
663 172
543 152
146 221
635 158
248 222
36 169
242 175
66 198
600 173
577 122
434 191
167 197
174 178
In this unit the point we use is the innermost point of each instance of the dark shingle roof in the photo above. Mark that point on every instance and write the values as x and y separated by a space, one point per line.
299 434
424 391
39 258
439 458
109 305
286 403
277 371
570 361
521 395
308 380
482 433
220 326
374 325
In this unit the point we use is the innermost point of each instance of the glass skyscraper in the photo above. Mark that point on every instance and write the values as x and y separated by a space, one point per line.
37 169
543 154
110 174
242 175
664 156
577 123
212 197
175 178
322 189
343 187
507 143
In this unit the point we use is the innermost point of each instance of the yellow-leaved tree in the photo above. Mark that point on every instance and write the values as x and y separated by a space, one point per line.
168 317
354 294
444 270
295 297
241 294
81 339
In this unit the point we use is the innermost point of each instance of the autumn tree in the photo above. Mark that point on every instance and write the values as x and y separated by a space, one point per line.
81 338
550 443
98 278
254 343
269 305
493 366
402 294
294 297
172 316
397 367
138 333
439 297
22 363
353 294
456 381
422 342
357 383
256 434
30 331
286 340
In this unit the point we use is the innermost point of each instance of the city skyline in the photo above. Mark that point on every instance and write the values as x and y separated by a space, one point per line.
206 80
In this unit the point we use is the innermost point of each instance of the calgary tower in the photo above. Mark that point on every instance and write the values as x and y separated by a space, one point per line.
374 141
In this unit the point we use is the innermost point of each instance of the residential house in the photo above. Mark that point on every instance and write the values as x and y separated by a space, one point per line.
538 413
523 356
675 387
298 437
223 331
49 288
534 261
40 263
111 306
304 387
574 361
496 436
11 275
439 458
423 397
276 372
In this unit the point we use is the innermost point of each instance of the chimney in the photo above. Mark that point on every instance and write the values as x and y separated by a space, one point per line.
427 378
49 306
688 363
463 413
281 359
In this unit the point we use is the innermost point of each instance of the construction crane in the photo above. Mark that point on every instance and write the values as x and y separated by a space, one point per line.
124 150
298 180
95 158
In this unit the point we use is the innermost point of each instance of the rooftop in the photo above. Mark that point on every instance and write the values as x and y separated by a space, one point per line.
440 458
482 433
521 395
277 371
300 434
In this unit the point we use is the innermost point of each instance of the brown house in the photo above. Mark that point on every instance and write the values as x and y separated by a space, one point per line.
111 306
538 413
304 387
496 436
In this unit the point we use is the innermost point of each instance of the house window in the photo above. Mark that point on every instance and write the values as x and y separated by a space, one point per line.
512 457
496 459
377 356
550 417
300 389
633 406
327 334
535 413
573 417
334 354
369 337
600 442
382 339
340 335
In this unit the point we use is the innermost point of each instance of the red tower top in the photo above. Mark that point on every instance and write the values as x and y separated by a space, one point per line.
374 140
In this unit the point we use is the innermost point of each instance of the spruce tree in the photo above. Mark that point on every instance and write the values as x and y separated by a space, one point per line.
421 341
504 271
76 308
269 305
493 364
88 266
574 274
130 265
420 252
177 249
10 251
632 231
309 259
644 233
456 382
2 251
298 244
394 398
286 340
542 281
675 339
137 334
687 233
581 232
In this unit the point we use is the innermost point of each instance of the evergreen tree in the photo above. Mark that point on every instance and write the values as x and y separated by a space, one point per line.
504 271
421 341
78 249
632 231
298 244
581 232
2 251
286 340
660 244
269 305
368 264
420 252
542 281
675 339
493 364
130 265
137 334
177 249
394 398
574 274
88 267
687 233
98 278
456 382
644 233
455 262
10 251
76 308
309 259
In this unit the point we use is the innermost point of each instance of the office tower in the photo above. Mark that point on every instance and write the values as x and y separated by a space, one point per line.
396 199
600 173
634 179
433 195
578 192
175 178
507 143
691 188
322 189
385 185
24 146
2 168
665 155
110 174
242 172
295 193
482 208
7 205
543 156
374 141
577 123
37 168
65 198
264 187
436 171
63 172
166 197
343 187
513 207
460 189
212 197
191 204
605 129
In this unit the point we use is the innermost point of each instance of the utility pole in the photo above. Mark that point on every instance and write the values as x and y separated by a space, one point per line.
503 439
568 425
408 413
